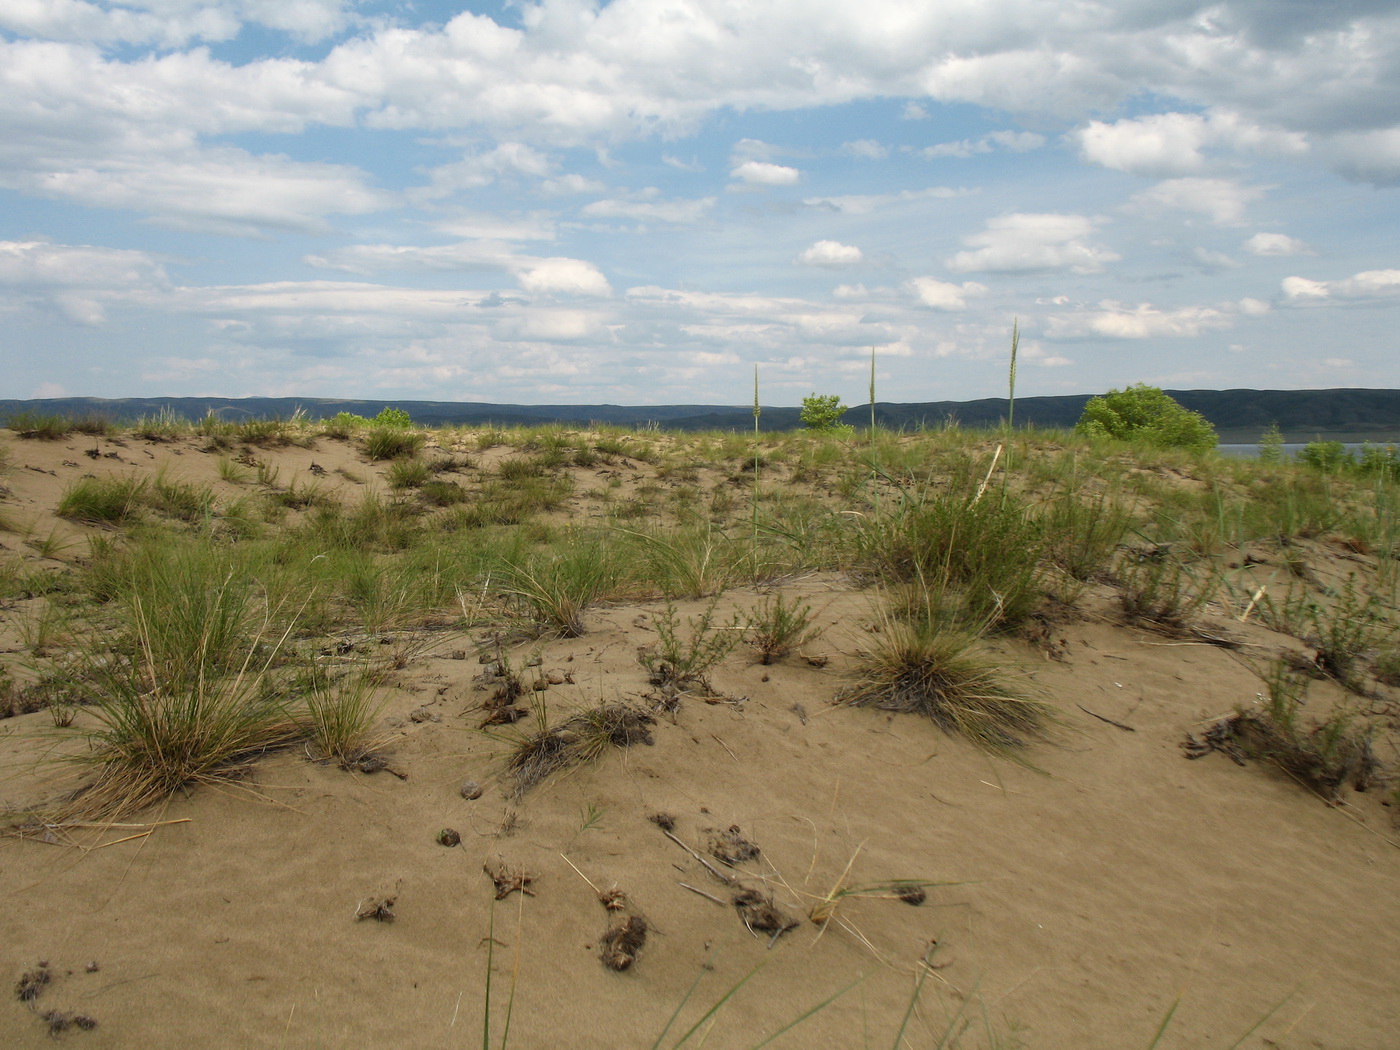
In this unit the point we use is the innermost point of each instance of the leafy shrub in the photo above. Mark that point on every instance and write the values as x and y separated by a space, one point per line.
823 412
1271 445
776 628
1146 413
394 418
1329 457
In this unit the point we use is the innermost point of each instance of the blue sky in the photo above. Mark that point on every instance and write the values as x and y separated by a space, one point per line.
639 202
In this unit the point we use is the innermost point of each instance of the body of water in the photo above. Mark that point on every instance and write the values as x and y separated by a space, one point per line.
1290 448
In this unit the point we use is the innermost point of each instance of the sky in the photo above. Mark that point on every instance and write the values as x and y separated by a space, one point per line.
643 201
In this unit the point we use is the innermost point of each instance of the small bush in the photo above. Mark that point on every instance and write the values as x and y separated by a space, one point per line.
1149 414
393 418
681 660
1329 457
776 628
823 413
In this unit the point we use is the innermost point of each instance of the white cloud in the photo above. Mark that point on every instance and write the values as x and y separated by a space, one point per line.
1115 320
761 173
566 276
1369 284
829 253
940 295
649 209
1164 144
1013 141
1222 200
868 149
864 204
1275 244
171 23
75 282
506 160
1370 156
1028 242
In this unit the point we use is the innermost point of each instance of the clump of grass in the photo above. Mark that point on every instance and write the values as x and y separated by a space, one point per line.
438 493
776 628
924 665
340 713
583 738
103 501
558 585
1159 592
981 548
179 499
407 473
1344 634
156 732
165 425
39 426
393 443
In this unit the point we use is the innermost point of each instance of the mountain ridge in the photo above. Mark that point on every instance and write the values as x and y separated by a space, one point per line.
1343 413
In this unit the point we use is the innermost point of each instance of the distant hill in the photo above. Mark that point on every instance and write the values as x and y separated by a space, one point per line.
1239 415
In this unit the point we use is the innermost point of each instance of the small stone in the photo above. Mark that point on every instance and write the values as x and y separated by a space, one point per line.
471 790
459 654
448 837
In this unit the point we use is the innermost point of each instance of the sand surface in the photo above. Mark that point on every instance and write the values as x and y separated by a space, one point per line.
1069 905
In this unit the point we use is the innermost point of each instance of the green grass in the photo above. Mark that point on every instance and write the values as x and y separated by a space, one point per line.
103 501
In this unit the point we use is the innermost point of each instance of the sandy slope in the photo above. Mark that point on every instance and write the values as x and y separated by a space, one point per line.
1076 902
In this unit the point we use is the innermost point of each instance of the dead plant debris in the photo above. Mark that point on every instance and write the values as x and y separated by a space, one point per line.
623 941
758 912
509 880
380 909
1323 763
32 983
731 847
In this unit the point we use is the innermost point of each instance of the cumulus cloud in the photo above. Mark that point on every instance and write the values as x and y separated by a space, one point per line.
1165 144
172 23
1369 284
562 276
761 173
1223 201
1027 242
941 295
1114 320
1275 244
830 253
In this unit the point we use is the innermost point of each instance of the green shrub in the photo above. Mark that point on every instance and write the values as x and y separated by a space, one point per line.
1146 413
1329 457
823 412
394 418
1271 445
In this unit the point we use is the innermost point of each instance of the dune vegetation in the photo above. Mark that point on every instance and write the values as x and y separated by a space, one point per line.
357 627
